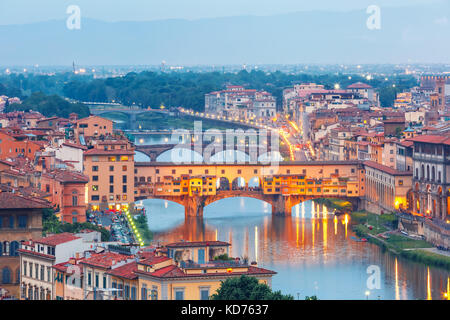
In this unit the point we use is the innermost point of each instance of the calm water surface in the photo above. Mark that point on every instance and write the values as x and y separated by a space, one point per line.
312 252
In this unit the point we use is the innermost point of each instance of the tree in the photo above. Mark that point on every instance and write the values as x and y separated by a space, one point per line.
311 298
247 288
51 224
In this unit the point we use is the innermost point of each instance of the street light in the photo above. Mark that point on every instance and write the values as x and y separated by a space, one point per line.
367 295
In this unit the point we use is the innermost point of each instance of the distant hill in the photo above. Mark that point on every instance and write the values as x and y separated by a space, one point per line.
413 34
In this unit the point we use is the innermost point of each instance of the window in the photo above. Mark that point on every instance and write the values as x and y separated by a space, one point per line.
124 158
124 179
133 293
74 201
154 294
6 275
22 221
111 189
127 292
124 168
95 198
114 286
94 188
204 293
144 292
400 182
111 168
94 159
94 168
11 222
94 178
104 282
112 159
179 294
124 188
89 278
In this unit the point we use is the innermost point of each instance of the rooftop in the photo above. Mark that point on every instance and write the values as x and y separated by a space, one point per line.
57 239
105 260
386 169
10 200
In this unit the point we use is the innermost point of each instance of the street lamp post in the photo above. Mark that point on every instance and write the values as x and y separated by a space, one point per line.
367 295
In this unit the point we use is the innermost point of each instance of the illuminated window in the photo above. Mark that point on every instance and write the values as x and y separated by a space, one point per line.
112 159
124 158
94 188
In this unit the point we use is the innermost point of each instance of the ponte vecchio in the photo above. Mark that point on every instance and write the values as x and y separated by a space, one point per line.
283 186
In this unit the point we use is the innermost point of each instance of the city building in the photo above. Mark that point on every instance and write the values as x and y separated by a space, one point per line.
236 102
67 191
20 220
111 177
387 189
92 126
37 258
431 181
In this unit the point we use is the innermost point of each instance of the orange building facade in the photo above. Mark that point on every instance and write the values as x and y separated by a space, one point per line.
111 177
68 193
92 126
11 147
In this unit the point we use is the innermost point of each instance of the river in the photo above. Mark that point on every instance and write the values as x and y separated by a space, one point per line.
312 253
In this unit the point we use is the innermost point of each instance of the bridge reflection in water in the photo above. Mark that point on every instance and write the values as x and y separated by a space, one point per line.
313 252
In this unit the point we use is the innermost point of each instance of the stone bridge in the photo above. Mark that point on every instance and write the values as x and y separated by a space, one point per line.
281 204
208 150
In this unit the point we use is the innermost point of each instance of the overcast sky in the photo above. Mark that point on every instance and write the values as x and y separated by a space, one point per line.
28 11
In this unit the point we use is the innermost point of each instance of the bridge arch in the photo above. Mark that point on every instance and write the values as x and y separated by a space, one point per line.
238 183
222 184
180 155
229 156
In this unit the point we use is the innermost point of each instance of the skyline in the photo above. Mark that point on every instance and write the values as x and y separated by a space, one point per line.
26 12
336 38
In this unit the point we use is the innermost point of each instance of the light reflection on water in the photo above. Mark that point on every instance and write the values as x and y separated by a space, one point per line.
313 253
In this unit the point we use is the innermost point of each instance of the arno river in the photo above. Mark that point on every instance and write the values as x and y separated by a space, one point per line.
312 253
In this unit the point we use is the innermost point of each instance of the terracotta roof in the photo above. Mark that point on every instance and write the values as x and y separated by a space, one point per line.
435 139
174 271
105 259
74 145
198 244
14 201
386 169
100 152
65 176
56 239
126 271
152 260
63 266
